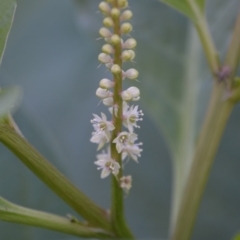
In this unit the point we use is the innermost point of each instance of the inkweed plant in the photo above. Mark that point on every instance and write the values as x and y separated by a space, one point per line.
116 132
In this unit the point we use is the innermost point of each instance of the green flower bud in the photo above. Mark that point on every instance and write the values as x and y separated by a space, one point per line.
115 69
126 28
105 33
126 15
130 43
104 8
115 39
115 13
107 48
128 55
108 22
122 3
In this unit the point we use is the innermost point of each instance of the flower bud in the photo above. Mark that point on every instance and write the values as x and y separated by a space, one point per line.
108 22
126 96
132 93
109 65
128 55
105 33
107 48
106 83
103 93
130 43
108 101
122 3
126 183
126 28
126 15
115 13
115 39
104 8
104 58
131 74
115 69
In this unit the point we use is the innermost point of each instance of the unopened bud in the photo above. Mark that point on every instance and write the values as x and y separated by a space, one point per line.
126 96
104 58
104 8
106 83
107 48
131 74
128 55
115 69
108 101
103 93
108 22
126 15
126 28
130 43
105 33
115 13
109 65
115 39
122 3
132 93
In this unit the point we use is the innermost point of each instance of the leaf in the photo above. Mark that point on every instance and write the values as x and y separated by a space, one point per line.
187 7
237 237
9 98
7 10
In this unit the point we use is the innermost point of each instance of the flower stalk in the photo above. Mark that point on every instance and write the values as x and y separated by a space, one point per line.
119 142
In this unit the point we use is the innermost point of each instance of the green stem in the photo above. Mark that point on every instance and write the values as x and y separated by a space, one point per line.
233 53
117 206
10 212
209 139
205 37
217 116
53 178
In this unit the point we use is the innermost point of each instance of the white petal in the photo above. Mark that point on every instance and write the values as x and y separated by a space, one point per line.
105 173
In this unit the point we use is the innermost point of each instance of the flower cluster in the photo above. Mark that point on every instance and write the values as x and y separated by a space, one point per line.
118 48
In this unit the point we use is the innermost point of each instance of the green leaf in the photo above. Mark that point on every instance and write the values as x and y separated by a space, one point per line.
7 10
237 237
188 7
9 98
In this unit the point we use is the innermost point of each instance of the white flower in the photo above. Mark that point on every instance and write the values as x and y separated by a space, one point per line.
102 129
133 151
107 164
131 116
100 138
125 145
126 183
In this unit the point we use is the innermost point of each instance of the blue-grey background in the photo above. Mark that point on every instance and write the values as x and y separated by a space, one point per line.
52 55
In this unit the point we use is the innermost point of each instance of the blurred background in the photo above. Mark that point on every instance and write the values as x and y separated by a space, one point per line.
52 55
